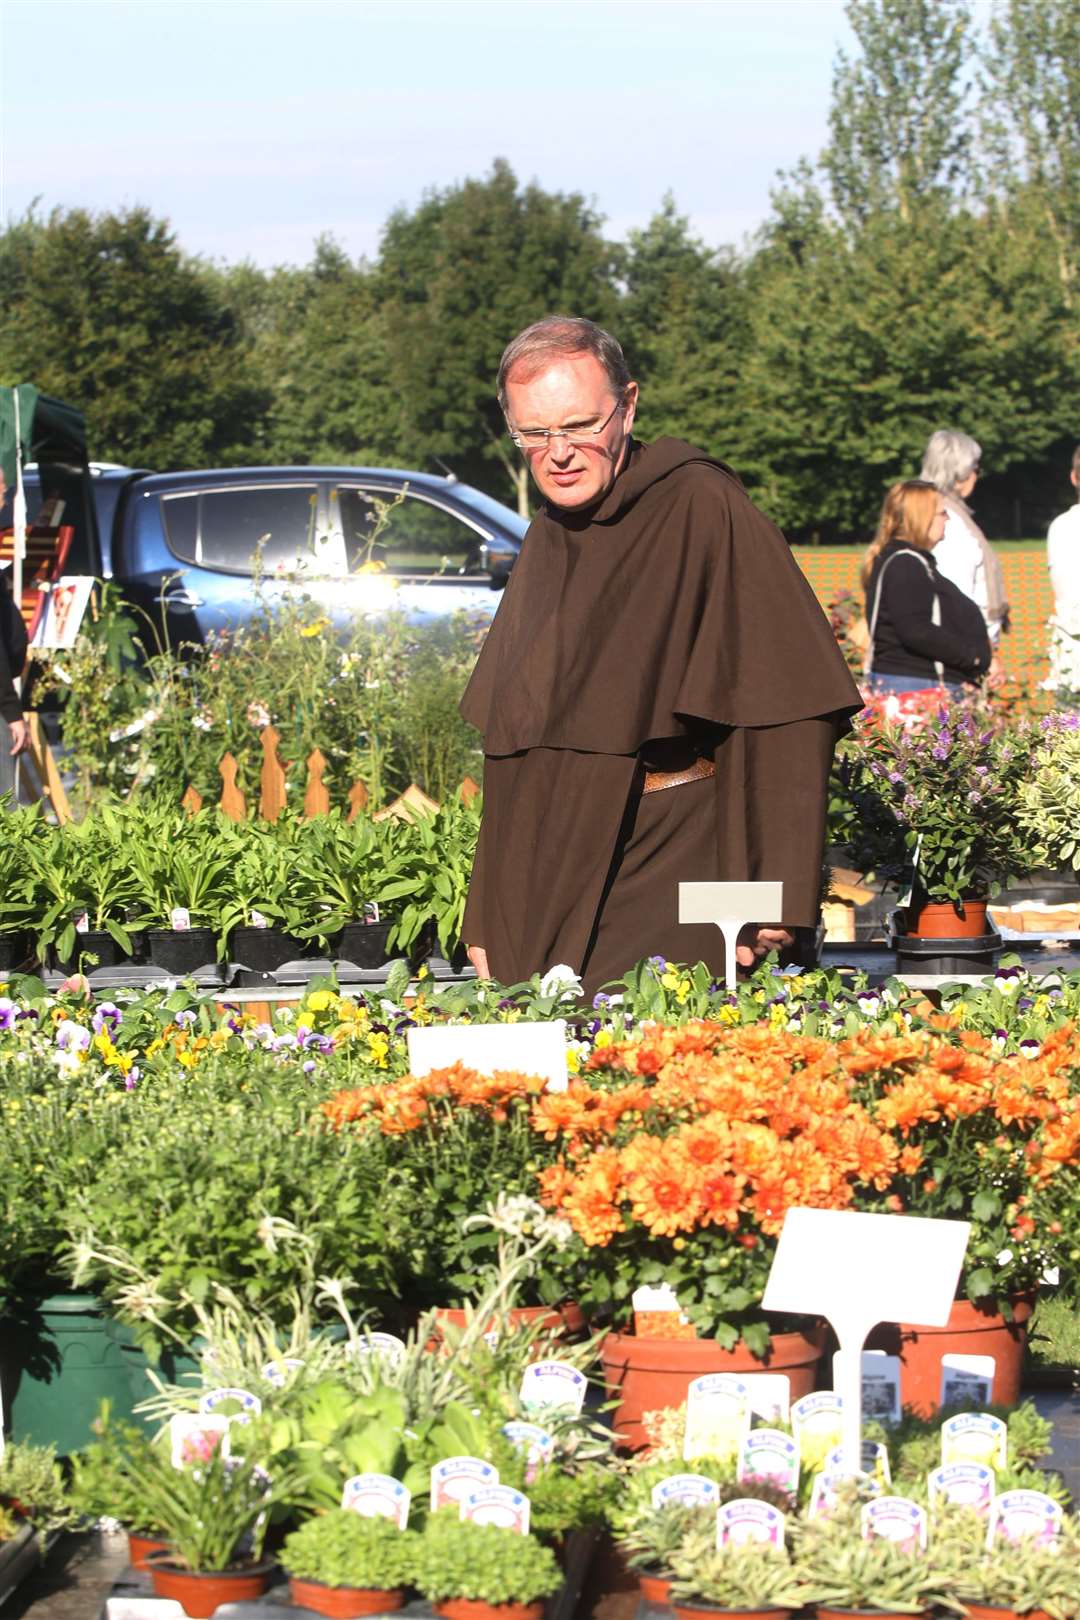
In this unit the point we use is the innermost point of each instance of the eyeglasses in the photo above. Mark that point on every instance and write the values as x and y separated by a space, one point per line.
540 438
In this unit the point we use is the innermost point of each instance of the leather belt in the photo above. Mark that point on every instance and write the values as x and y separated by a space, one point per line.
657 780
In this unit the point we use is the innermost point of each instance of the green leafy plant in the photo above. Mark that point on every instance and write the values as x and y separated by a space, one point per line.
846 1571
746 1577
651 1538
341 1548
458 1559
32 1486
1020 1576
105 1474
1048 803
213 1513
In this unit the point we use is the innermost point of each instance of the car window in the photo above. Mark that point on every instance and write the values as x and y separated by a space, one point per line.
413 536
226 528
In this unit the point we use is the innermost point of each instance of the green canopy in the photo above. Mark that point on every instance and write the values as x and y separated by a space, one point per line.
49 430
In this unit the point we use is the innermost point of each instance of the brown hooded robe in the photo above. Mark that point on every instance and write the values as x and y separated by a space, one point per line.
670 610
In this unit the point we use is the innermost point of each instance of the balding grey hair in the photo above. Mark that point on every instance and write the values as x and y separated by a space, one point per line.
555 338
949 458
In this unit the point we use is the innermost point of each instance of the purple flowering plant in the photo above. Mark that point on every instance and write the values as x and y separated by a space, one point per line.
935 804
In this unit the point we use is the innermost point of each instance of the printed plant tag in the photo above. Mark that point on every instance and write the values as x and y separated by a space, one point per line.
194 1437
895 1518
277 1372
769 1454
82 922
875 1462
371 911
500 1505
258 920
1016 1515
237 1405
552 1386
880 1387
965 1484
458 1477
967 1379
817 1421
975 1437
387 1345
179 919
685 1490
717 1416
377 1496
536 1442
658 1315
747 1519
770 1396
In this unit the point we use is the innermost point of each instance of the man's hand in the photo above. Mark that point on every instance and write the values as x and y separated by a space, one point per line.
756 941
478 957
20 736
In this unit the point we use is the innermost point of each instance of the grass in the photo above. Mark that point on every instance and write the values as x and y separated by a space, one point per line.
1054 1335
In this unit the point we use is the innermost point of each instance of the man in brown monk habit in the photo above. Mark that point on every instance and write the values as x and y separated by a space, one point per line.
659 695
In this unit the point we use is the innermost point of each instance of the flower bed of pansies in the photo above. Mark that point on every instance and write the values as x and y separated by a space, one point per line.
693 1120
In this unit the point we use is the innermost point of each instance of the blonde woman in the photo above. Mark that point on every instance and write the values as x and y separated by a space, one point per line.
923 630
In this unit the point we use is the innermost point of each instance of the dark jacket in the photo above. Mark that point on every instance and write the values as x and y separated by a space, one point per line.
906 640
12 652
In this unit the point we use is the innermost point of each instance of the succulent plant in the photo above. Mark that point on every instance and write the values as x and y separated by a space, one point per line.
342 1548
750 1576
459 1559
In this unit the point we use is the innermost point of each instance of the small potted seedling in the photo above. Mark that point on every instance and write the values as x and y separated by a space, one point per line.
344 1565
481 1572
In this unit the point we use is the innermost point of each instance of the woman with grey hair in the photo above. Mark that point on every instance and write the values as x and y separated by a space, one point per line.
965 555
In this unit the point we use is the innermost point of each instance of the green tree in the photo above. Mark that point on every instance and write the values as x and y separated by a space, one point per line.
107 313
898 122
457 278
677 323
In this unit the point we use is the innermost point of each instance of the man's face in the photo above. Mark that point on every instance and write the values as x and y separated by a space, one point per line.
573 393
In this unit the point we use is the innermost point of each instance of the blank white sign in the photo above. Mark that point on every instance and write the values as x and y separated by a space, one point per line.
527 1048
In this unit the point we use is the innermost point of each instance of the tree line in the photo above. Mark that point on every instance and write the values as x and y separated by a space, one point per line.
922 271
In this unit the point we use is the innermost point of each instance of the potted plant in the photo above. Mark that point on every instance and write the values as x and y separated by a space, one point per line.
481 1572
86 890
339 868
754 1581
344 1565
182 869
104 1482
25 831
260 916
213 1513
651 1539
33 1504
1010 1579
1048 808
933 805
850 1575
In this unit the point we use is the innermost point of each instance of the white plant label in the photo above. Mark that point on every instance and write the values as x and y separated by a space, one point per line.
685 1490
964 1484
552 1386
458 1477
1018 1515
881 1386
499 1505
194 1437
818 1424
386 1345
377 1496
771 1455
770 1396
249 1404
975 1437
967 1379
827 1489
895 1518
746 1520
82 922
537 1443
179 919
717 1416
875 1462
277 1372
258 920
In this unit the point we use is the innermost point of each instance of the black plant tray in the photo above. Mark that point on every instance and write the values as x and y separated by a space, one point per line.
951 954
18 1557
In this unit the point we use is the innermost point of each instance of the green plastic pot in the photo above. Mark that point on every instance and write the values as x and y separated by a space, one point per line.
60 1357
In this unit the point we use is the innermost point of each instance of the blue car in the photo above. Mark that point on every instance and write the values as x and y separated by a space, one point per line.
187 547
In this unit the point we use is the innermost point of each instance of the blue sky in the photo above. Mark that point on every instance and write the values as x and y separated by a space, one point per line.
254 125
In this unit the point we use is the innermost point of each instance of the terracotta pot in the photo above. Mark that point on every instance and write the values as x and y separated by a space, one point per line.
860 1614
942 919
654 1588
970 1331
648 1374
199 1593
707 1611
344 1602
989 1611
561 1321
477 1609
139 1546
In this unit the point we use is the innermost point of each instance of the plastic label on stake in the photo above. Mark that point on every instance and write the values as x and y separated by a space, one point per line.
880 1386
194 1437
895 1518
277 1372
772 1455
537 1443
458 1477
552 1386
748 1520
875 1462
377 1496
386 1345
964 1484
499 1505
975 1437
818 1424
717 1416
685 1490
967 1379
249 1404
1019 1515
